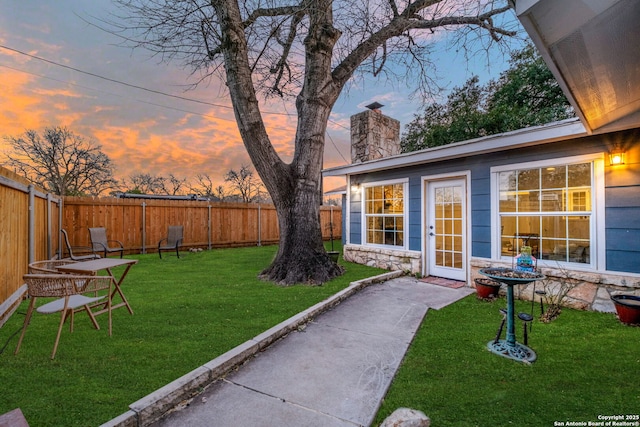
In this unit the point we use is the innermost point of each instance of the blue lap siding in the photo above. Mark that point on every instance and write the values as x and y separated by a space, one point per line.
621 198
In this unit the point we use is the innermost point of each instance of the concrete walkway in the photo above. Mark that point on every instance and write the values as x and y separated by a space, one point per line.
332 372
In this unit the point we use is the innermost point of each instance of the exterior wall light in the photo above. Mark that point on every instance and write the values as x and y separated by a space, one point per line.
617 157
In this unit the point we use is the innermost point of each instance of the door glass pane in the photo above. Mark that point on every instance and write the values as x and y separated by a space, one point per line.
457 260
457 226
448 226
457 243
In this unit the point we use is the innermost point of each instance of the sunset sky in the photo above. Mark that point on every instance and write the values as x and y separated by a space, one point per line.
145 132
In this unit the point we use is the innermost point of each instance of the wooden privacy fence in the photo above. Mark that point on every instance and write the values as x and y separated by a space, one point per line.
140 223
29 224
30 221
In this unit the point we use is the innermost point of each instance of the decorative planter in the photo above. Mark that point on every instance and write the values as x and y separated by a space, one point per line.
487 288
628 308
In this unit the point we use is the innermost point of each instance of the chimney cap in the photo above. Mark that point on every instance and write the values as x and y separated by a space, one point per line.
374 105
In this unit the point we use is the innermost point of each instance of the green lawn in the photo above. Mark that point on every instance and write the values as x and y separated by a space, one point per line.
192 309
187 311
588 366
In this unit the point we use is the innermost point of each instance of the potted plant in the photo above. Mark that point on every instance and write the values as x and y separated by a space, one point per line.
628 308
487 289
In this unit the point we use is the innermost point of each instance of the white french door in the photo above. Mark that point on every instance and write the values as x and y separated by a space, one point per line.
446 226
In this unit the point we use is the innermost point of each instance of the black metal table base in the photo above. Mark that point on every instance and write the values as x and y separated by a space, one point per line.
515 351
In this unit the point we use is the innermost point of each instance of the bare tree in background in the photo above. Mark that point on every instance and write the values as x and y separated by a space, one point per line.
220 193
245 183
61 162
204 187
144 183
173 185
308 50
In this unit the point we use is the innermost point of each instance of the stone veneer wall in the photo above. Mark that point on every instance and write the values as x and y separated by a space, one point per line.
592 292
389 259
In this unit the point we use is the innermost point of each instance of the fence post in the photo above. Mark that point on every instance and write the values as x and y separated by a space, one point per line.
331 222
60 213
144 227
48 225
209 225
32 224
259 225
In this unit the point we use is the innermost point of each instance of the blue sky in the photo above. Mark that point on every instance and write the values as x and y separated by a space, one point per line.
144 132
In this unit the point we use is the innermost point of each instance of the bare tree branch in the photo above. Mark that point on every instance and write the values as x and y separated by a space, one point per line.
308 50
61 162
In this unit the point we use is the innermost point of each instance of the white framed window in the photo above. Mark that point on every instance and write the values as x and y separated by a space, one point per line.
384 210
551 206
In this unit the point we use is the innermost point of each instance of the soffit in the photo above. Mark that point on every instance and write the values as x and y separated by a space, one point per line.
593 49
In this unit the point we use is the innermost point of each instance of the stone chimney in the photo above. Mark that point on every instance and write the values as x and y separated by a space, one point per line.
373 135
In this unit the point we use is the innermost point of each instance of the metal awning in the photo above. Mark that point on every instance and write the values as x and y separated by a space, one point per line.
593 49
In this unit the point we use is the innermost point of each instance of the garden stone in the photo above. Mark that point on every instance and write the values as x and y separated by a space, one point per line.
406 417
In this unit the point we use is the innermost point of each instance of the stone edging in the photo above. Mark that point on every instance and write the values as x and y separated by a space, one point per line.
154 406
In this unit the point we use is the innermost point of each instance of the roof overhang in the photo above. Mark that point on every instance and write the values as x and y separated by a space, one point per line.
552 132
593 49
337 191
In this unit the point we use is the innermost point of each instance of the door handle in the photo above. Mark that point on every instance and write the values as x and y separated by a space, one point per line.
431 234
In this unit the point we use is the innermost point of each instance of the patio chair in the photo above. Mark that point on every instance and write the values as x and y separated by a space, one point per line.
48 266
69 290
100 243
71 249
173 240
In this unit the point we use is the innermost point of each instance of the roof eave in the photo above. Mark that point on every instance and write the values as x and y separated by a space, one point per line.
557 131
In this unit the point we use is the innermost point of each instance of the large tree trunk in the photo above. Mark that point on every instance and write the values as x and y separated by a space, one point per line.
179 29
301 256
294 188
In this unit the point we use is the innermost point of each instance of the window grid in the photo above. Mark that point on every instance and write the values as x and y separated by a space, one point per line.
384 214
548 208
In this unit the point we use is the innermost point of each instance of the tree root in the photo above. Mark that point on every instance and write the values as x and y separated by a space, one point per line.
291 269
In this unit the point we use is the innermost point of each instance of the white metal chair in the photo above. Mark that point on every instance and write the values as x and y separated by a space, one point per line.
68 289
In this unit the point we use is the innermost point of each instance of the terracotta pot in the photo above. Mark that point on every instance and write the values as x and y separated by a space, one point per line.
487 288
628 308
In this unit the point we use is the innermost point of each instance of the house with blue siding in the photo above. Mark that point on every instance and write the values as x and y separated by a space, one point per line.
568 191
449 211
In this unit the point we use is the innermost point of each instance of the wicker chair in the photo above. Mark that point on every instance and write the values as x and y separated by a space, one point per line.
100 243
48 266
173 240
69 290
